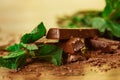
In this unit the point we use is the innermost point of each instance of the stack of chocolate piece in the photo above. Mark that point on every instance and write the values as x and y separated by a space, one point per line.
74 41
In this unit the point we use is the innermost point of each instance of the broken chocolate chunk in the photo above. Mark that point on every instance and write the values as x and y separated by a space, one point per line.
105 45
60 34
73 45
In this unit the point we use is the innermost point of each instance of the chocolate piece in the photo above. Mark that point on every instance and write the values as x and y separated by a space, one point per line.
105 45
72 45
56 33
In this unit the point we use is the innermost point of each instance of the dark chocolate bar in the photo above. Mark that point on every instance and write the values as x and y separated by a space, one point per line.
56 33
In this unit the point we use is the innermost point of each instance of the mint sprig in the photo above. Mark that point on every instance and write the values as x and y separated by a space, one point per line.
36 34
19 53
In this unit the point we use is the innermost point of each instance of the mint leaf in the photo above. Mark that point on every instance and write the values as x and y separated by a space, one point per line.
14 47
46 49
114 28
18 53
14 60
15 54
108 9
30 46
99 23
116 13
57 57
112 9
36 33
51 52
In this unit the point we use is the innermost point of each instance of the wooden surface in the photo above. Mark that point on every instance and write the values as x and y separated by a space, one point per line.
48 75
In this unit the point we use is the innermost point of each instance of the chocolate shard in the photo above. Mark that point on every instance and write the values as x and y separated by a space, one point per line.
56 33
105 45
72 45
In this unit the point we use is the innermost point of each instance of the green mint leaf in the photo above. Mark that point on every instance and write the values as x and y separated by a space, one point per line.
114 28
14 60
14 47
46 49
36 33
30 46
116 13
99 23
57 57
51 52
112 9
15 54
108 9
